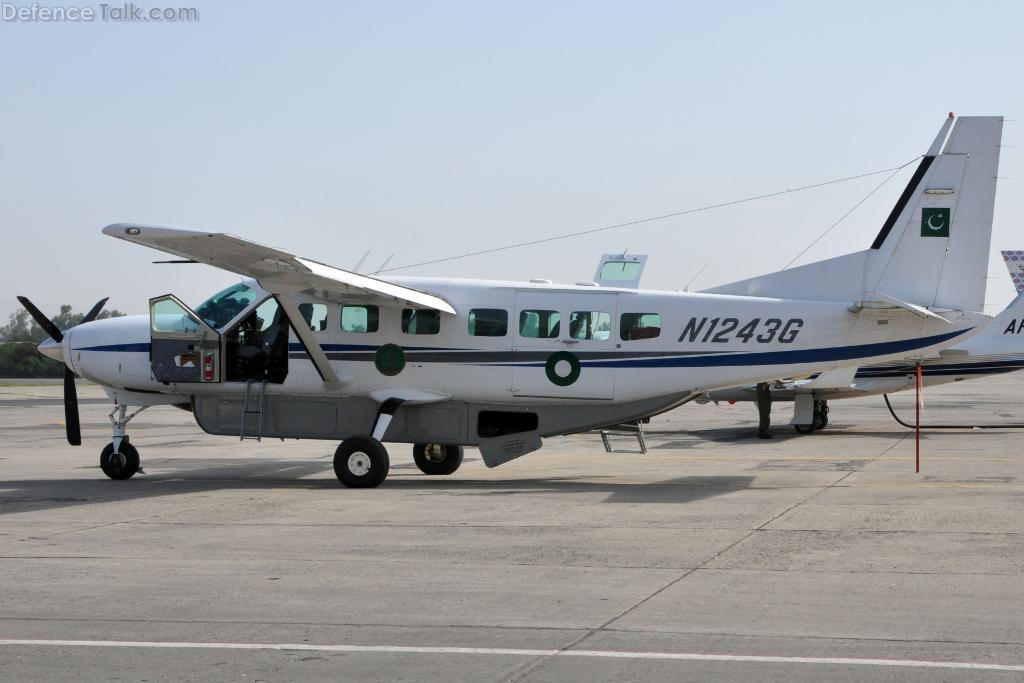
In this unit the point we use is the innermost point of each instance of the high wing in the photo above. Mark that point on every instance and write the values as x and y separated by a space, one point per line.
274 269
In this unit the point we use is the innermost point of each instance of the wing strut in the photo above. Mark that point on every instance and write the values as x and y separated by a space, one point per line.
323 366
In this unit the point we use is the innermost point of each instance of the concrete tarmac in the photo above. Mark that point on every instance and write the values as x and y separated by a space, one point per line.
714 556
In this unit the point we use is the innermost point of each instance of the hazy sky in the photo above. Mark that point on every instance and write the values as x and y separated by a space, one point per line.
425 129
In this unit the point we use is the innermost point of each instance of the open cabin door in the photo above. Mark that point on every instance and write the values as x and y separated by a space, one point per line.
183 348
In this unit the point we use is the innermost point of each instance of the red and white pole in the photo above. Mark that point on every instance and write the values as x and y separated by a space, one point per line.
917 427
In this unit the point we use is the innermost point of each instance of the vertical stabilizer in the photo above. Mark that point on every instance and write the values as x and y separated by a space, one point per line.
1014 261
936 254
932 250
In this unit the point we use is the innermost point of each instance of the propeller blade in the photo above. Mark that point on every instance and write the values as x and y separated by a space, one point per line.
71 423
41 320
95 310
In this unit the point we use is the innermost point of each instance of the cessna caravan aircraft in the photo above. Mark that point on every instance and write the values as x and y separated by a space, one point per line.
997 349
299 349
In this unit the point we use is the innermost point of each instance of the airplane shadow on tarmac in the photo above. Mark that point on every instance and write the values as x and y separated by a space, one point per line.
207 475
677 439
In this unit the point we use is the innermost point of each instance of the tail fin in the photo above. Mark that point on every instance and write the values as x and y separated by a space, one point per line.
933 248
1015 264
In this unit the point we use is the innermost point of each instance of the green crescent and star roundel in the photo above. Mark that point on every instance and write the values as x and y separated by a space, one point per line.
389 359
935 222
562 368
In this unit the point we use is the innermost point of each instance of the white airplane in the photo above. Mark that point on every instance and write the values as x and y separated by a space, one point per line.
997 349
305 350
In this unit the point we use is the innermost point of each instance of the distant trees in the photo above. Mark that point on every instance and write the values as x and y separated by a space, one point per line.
22 328
21 334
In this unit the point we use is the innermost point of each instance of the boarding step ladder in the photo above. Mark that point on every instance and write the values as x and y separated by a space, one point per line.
258 412
633 429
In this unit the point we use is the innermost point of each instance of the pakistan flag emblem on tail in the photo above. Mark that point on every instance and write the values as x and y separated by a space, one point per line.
934 222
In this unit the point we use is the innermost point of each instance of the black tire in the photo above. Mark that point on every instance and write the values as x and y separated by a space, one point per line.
121 466
820 420
803 429
361 462
435 458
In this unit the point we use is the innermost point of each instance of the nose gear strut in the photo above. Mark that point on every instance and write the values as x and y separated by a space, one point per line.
119 459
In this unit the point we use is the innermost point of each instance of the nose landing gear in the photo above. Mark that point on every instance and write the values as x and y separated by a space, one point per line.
119 459
122 464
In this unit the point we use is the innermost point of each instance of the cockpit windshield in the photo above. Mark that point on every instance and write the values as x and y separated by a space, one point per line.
222 307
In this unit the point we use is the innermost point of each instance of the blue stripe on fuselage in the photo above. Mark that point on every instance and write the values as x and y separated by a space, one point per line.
142 347
795 357
710 359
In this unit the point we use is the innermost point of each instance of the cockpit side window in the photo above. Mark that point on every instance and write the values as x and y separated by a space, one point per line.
222 307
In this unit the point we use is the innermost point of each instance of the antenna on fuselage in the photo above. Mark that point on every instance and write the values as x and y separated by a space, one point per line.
359 264
383 265
687 287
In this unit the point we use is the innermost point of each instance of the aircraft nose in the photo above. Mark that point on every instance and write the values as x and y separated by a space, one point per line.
52 349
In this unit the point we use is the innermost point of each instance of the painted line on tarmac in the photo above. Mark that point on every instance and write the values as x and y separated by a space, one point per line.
616 654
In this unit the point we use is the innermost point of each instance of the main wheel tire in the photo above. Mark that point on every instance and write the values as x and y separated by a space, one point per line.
435 458
820 420
803 429
122 465
361 462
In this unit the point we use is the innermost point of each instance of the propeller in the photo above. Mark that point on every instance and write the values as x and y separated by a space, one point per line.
72 425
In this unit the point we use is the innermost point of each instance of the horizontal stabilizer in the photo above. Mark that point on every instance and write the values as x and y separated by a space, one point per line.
873 299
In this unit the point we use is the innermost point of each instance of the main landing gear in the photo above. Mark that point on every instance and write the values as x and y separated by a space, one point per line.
119 459
435 458
363 462
819 419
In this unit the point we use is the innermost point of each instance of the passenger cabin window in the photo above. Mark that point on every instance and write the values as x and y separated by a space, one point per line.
595 325
488 322
421 321
539 324
619 270
315 316
360 319
639 326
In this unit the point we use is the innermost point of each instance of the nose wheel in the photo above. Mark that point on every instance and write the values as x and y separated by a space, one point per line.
122 463
120 460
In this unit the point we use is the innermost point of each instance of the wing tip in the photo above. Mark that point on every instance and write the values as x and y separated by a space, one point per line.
133 231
